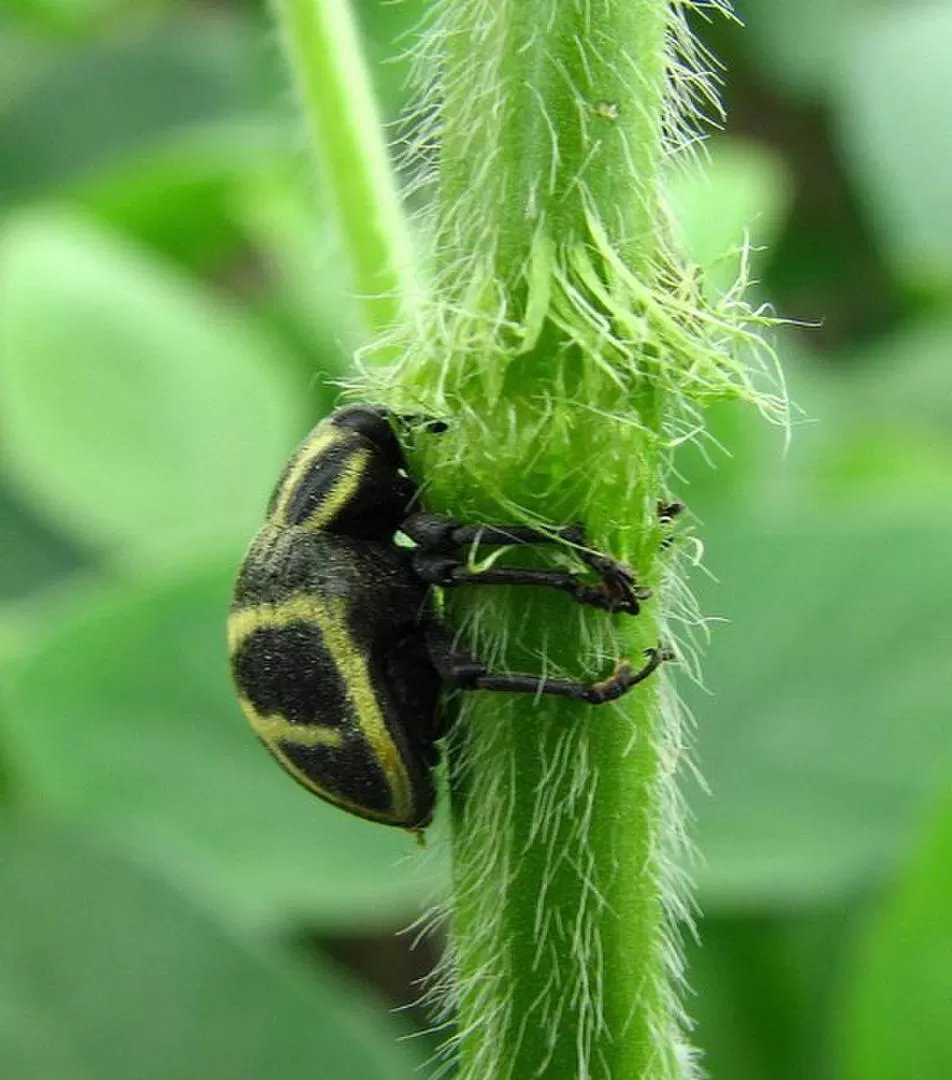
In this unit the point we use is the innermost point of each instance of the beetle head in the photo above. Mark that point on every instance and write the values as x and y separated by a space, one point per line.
371 421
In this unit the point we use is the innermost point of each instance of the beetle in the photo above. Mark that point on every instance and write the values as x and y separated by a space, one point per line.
338 652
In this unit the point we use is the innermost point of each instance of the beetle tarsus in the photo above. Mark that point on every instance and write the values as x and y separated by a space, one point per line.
622 679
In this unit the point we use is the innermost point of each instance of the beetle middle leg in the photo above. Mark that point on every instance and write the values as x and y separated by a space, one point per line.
437 561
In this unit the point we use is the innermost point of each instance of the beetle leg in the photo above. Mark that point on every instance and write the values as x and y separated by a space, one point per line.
615 593
667 512
621 680
462 671
435 532
439 536
430 424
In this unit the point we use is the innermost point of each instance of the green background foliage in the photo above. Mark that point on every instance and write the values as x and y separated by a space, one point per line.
174 311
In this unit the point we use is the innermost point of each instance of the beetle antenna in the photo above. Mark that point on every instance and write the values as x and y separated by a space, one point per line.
430 424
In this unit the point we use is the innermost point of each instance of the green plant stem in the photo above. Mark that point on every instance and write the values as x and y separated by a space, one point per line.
563 814
571 96
570 351
344 129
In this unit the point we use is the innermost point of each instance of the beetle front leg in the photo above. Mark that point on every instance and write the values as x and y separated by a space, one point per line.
440 537
436 532
612 596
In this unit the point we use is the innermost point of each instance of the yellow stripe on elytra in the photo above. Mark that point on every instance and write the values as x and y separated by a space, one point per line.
245 621
314 446
345 486
397 817
330 619
273 727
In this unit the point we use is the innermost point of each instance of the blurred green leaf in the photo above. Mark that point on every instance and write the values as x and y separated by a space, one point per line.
179 195
22 58
144 415
898 1000
108 974
878 437
871 439
302 252
33 555
762 989
123 717
894 99
108 101
828 724
799 45
743 191
903 375
71 16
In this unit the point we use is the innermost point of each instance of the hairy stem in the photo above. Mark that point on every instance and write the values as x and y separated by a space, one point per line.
344 129
570 350
562 337
558 106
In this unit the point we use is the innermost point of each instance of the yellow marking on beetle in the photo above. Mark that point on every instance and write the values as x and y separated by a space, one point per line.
346 483
272 730
345 488
332 796
273 727
330 619
302 608
312 449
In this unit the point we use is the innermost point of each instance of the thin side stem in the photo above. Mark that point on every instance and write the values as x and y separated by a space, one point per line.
345 131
